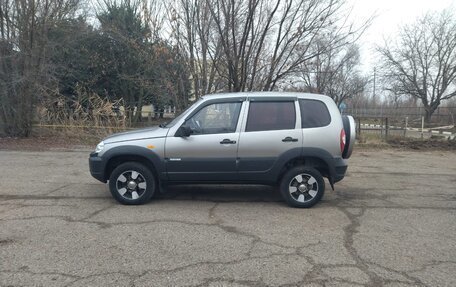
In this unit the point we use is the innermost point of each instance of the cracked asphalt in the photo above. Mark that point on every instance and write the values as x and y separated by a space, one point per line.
390 222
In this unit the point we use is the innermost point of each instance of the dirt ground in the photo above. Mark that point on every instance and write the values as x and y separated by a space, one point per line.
390 222
46 142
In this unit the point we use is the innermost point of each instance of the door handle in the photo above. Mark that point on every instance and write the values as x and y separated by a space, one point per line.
289 139
227 141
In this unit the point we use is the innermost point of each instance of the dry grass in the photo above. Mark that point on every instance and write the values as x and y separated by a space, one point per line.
69 124
376 141
88 111
422 144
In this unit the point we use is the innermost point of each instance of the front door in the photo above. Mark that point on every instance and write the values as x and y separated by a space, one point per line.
209 153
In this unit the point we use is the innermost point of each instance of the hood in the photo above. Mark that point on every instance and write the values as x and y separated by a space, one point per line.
147 133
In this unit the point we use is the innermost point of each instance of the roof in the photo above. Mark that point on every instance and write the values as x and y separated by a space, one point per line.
267 94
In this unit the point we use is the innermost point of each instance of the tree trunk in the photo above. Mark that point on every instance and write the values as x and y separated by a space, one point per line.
428 111
138 115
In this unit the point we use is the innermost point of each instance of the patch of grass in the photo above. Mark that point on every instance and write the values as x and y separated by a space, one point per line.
371 140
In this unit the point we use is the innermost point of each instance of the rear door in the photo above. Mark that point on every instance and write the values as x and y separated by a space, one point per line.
271 129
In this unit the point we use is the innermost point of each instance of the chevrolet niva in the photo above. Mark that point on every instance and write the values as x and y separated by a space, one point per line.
289 140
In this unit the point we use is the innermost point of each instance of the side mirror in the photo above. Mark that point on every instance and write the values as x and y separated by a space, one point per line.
184 131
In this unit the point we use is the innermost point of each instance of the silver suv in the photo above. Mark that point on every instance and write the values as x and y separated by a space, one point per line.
292 140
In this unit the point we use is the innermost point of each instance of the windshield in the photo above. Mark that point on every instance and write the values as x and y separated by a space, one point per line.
176 119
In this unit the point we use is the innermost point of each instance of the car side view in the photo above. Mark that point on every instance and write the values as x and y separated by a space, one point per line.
289 140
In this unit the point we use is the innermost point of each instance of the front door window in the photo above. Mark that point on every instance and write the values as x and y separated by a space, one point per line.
215 119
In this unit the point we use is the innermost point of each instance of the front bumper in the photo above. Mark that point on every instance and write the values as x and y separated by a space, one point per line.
97 167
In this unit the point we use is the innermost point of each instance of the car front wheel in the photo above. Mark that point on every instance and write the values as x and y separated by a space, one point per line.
132 183
302 186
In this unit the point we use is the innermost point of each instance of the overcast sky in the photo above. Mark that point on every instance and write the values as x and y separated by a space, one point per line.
391 14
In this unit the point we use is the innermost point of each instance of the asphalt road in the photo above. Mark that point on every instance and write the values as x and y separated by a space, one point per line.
391 222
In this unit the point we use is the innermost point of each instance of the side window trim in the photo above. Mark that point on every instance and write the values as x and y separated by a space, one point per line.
298 124
242 119
244 116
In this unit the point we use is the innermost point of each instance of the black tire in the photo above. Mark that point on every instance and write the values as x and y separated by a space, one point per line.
127 192
309 190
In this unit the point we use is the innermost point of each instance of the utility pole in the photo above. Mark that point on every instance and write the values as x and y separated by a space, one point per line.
373 96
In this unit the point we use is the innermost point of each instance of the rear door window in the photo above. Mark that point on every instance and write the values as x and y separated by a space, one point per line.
267 116
314 114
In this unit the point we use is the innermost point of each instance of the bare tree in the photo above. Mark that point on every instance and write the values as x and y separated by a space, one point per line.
334 71
192 28
422 62
236 45
23 38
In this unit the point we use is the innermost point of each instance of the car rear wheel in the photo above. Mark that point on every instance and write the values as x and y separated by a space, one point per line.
302 186
132 183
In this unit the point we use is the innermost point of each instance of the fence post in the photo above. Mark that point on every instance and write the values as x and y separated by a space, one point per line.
359 127
406 125
386 128
422 127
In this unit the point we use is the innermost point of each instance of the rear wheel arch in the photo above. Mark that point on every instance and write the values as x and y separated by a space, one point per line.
310 161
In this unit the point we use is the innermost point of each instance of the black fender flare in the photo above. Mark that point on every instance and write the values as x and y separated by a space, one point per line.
306 152
136 151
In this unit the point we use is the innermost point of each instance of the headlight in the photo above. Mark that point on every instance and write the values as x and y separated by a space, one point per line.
99 147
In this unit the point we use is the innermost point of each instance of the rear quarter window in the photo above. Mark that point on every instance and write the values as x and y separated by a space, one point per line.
314 114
